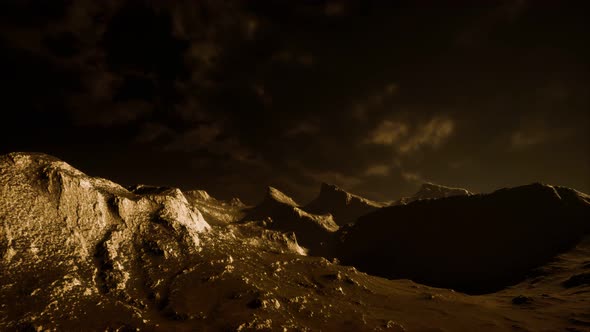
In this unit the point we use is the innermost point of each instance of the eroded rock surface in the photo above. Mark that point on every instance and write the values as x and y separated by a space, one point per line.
68 238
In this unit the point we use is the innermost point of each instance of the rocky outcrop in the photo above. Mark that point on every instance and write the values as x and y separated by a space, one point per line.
67 238
478 243
280 212
430 190
344 207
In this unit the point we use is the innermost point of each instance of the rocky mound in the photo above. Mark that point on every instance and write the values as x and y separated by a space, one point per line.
433 191
344 206
476 244
71 243
279 212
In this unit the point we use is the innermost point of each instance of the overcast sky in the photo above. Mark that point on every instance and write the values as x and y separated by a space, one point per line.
231 96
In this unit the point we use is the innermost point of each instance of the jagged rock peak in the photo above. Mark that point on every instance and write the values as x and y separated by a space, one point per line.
429 190
328 191
439 190
275 195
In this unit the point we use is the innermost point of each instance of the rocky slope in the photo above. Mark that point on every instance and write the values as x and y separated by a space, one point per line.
279 212
430 190
478 243
344 207
68 238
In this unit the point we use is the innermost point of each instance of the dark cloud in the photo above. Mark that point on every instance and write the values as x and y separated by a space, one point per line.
231 96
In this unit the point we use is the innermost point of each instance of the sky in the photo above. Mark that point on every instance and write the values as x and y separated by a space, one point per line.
376 97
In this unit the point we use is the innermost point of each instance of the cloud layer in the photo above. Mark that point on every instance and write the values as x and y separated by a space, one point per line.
230 96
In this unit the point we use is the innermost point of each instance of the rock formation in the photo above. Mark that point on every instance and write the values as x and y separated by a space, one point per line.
68 239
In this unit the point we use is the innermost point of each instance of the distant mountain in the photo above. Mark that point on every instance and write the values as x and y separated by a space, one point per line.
344 206
430 190
473 243
281 212
216 211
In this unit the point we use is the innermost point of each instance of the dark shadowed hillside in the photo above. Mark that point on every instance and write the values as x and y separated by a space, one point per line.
475 244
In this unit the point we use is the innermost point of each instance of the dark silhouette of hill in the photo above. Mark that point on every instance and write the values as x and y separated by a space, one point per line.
475 244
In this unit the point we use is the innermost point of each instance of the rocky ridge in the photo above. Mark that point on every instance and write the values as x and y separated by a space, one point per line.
430 190
80 252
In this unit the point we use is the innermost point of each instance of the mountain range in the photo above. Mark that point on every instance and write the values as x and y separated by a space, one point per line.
84 253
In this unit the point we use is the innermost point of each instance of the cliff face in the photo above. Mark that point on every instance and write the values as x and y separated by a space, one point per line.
87 236
344 206
476 244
